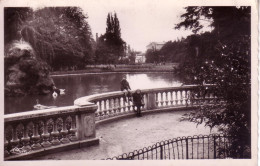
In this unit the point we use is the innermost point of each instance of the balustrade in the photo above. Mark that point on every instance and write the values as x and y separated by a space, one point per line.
51 128
113 104
32 131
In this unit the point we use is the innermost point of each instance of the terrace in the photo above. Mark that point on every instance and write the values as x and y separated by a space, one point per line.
104 119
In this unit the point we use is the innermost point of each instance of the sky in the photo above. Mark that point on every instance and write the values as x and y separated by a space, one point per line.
141 22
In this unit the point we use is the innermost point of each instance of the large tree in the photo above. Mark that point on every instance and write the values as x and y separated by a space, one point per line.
14 18
60 36
110 46
224 61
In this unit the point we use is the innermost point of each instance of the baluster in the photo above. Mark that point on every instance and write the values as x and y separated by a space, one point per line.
55 133
145 101
26 139
159 99
20 133
124 106
119 105
162 100
73 129
100 106
192 97
36 137
188 95
156 99
64 131
97 103
166 98
14 141
183 98
101 111
179 98
97 111
45 135
129 106
105 109
8 136
110 108
105 104
176 98
114 107
172 98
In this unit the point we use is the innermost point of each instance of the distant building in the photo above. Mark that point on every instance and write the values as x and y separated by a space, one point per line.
155 46
140 58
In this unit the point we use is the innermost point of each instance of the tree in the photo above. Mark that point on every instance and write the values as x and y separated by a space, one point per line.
152 56
111 44
60 36
228 67
226 21
14 18
174 51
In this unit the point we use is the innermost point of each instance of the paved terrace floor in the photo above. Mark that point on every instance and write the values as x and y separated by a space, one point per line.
131 134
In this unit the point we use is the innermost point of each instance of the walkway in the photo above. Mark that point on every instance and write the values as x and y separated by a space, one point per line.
135 133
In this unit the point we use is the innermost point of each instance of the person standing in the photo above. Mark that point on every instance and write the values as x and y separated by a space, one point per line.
138 101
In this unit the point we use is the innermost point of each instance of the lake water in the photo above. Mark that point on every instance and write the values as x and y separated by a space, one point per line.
87 84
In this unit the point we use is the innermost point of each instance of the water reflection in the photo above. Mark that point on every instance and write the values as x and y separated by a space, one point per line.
81 85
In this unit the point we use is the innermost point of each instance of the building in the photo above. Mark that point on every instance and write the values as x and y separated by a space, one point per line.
155 46
140 58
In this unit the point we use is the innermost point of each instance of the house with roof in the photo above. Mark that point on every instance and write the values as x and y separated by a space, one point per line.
140 58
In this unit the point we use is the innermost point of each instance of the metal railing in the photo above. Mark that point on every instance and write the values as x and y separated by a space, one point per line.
197 147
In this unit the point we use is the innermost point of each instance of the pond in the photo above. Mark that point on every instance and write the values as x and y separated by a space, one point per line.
87 84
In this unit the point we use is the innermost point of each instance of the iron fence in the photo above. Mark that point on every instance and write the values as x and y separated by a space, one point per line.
197 147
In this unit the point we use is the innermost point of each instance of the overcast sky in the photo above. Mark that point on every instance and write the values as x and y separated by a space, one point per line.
141 22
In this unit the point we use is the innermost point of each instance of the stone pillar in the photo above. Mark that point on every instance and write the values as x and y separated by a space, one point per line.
86 122
151 101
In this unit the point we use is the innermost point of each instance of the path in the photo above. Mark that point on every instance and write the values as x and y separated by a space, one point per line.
131 134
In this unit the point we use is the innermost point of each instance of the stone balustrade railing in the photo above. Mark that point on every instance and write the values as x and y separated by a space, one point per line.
113 103
32 133
29 134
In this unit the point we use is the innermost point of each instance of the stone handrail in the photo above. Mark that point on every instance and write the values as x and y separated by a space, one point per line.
29 134
113 104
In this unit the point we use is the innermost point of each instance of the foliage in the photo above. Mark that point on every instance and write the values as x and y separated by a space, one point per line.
24 72
174 51
60 36
223 59
225 20
14 19
110 46
152 56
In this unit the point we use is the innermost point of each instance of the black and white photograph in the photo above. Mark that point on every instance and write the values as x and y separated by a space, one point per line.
129 80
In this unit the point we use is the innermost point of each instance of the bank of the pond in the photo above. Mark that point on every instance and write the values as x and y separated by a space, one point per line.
121 68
